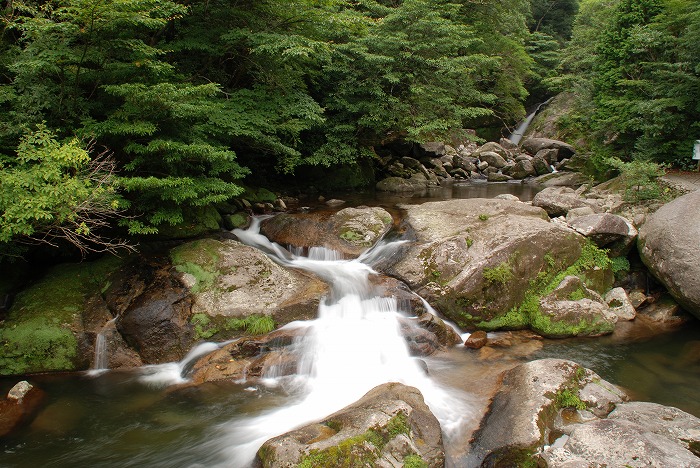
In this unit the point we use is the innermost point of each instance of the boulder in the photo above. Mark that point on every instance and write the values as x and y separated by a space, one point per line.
557 201
498 177
493 159
470 268
534 145
399 184
541 165
636 434
432 149
668 245
561 179
349 231
607 231
387 426
523 169
492 147
620 304
229 280
427 334
523 412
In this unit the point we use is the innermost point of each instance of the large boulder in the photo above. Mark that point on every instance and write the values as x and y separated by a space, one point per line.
399 184
228 280
390 426
472 269
668 245
21 405
350 231
524 412
636 434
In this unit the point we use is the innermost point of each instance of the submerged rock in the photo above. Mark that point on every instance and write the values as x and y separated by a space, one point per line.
668 245
390 425
21 405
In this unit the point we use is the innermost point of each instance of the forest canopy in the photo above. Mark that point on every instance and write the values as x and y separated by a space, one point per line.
181 103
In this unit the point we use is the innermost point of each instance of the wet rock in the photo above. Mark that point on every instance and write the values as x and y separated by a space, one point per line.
388 424
523 169
557 201
476 340
620 304
427 334
470 268
350 231
668 245
664 310
399 184
21 405
237 281
522 414
498 177
250 357
156 324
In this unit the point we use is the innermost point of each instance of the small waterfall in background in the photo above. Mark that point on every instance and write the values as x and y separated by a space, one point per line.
353 346
517 135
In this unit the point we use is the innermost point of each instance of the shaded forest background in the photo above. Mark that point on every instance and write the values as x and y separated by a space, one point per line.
120 118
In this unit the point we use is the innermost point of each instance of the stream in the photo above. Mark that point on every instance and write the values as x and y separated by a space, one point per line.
146 417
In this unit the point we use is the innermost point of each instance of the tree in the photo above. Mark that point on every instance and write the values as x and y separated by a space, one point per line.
53 192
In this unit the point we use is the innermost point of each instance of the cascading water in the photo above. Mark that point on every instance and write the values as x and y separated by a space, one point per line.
353 346
100 362
517 135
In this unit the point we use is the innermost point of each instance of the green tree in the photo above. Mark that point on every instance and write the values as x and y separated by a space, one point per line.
55 192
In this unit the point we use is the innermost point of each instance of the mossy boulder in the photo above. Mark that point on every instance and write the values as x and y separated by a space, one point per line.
390 426
227 279
349 231
475 260
526 410
44 328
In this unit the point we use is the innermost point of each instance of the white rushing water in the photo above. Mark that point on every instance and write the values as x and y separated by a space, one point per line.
353 346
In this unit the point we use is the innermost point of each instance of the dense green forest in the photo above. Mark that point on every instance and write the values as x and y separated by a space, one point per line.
123 117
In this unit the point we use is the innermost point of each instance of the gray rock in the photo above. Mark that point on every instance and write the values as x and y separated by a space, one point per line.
399 184
506 196
582 317
19 391
607 231
549 156
244 282
433 149
665 311
620 304
561 179
533 145
493 159
483 165
394 412
668 245
459 240
523 169
522 414
498 177
541 165
610 442
557 201
574 213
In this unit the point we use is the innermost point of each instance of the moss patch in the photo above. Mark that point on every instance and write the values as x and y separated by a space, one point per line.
502 273
39 332
567 398
199 259
528 312
206 327
364 449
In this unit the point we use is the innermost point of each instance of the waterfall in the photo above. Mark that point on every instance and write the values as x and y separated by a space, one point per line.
100 362
517 135
353 346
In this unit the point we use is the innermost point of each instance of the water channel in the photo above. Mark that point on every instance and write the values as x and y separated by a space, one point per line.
146 417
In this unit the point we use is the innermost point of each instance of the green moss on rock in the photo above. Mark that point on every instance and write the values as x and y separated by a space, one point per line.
40 331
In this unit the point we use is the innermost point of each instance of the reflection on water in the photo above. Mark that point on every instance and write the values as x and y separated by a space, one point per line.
664 369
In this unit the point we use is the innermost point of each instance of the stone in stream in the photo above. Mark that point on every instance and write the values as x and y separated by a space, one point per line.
390 426
21 405
350 231
476 340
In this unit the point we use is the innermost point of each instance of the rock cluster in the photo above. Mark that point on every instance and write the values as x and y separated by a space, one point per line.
414 167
